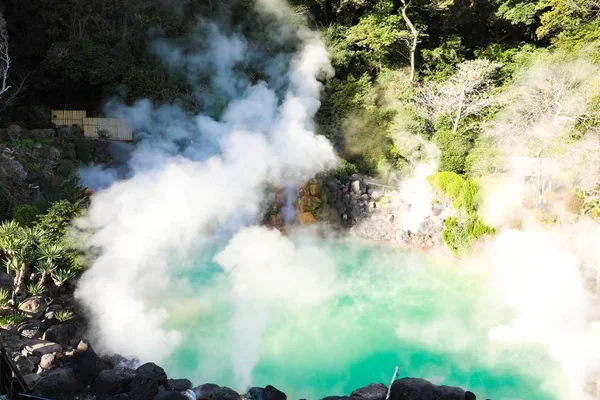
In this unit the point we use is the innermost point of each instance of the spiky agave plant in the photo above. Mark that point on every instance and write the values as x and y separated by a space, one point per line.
20 263
45 268
62 275
12 320
35 289
63 315
3 296
51 252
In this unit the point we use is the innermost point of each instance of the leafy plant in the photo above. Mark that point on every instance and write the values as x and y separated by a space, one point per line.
3 296
61 276
45 268
63 315
26 214
36 289
12 320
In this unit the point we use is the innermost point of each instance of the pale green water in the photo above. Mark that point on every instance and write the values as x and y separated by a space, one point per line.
396 308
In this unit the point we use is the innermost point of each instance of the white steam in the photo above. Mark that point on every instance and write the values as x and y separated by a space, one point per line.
266 270
174 197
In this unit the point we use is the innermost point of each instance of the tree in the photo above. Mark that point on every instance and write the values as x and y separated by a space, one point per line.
567 15
414 36
57 219
4 57
466 93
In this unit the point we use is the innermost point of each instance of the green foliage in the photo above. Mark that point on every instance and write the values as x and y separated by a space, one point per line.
440 63
62 275
83 151
7 203
55 222
26 214
36 289
461 230
519 12
454 149
3 296
63 316
65 168
12 320
25 143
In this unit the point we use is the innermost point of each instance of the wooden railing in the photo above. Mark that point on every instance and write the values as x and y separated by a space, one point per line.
12 384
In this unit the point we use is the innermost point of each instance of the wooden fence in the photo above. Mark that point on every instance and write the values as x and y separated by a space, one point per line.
113 128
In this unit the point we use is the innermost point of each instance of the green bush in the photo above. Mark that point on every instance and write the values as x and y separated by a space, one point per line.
6 203
57 219
454 148
26 214
65 168
25 143
83 151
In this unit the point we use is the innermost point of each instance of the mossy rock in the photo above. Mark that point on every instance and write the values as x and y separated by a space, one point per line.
329 214
308 203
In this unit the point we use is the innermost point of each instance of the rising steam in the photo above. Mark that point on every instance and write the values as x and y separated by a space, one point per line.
174 197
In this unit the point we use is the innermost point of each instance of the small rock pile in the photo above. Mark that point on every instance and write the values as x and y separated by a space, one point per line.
342 202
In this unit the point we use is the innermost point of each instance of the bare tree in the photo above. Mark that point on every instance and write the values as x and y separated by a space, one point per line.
414 33
4 57
467 92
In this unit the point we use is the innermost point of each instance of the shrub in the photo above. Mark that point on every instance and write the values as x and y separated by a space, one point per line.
575 203
454 148
6 203
26 214
65 168
83 151
57 219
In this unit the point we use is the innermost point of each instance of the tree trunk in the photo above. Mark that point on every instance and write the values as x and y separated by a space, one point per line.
43 278
415 39
458 112
20 280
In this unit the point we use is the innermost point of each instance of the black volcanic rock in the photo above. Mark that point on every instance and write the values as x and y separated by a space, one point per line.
113 381
153 372
413 389
143 388
215 392
336 398
180 385
450 393
374 391
58 383
267 393
171 396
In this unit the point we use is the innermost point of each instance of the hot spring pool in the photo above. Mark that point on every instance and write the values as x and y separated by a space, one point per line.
390 307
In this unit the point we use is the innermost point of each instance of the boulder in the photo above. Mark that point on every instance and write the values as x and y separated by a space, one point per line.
376 196
112 381
40 348
180 385
171 396
305 218
59 383
308 203
314 188
143 388
354 177
47 361
31 379
33 306
374 391
31 329
450 393
413 389
153 372
470 396
85 365
211 391
24 364
58 334
355 186
267 393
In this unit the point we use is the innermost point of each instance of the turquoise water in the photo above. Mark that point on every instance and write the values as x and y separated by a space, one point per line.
389 308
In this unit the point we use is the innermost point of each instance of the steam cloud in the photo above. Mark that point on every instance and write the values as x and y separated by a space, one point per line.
174 196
